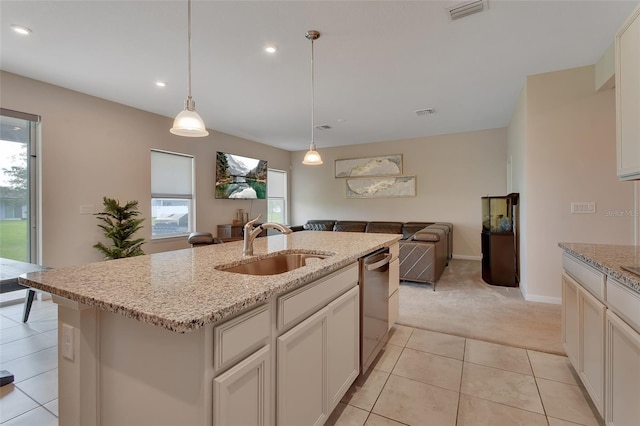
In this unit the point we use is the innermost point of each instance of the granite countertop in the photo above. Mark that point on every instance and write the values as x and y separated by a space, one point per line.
608 259
182 290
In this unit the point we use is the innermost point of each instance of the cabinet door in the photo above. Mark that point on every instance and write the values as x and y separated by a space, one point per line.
592 328
628 97
242 394
302 372
570 331
622 372
343 345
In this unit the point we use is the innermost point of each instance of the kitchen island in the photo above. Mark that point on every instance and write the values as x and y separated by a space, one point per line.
170 338
601 325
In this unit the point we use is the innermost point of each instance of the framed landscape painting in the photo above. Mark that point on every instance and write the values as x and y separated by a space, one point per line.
380 187
387 165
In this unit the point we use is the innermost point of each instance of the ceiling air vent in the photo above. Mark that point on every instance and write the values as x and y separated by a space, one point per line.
426 111
468 8
323 127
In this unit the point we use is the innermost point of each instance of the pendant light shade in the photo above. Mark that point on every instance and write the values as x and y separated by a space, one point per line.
188 122
312 157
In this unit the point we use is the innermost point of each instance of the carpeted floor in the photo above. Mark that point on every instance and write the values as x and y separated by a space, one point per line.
464 305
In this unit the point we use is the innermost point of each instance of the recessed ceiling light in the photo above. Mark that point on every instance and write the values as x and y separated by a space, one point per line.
161 84
21 29
271 49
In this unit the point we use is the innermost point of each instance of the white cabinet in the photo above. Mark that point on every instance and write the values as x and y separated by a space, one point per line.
628 98
570 329
242 394
601 336
583 328
302 373
591 342
623 373
344 345
318 360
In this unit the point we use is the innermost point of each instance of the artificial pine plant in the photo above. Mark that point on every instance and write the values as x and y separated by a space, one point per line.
119 223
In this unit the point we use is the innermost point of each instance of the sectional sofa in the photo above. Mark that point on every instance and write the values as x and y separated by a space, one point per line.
425 247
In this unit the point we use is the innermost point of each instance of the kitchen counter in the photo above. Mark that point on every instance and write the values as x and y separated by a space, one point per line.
182 290
608 259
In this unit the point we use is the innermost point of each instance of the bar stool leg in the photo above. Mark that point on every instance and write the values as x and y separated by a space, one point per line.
27 306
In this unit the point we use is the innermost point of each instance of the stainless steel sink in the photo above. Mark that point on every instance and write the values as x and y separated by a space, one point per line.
274 265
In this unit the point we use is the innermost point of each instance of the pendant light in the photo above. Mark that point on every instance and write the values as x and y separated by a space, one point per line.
188 122
312 157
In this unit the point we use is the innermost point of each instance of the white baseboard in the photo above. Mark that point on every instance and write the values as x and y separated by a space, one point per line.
542 299
465 257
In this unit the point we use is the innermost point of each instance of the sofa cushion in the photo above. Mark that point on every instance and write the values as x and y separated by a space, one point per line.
384 227
200 238
410 228
319 225
350 226
429 234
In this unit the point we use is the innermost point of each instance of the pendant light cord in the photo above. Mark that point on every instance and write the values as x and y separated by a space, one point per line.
313 101
189 51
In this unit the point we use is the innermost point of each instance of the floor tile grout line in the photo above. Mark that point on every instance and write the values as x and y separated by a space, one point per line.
503 404
4 363
464 353
498 368
18 415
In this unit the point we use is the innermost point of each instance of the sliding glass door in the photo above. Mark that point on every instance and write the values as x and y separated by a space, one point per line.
18 194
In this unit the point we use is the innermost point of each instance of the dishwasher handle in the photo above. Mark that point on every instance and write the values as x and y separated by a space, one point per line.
379 264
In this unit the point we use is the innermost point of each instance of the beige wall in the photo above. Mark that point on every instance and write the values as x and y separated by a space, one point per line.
570 154
516 182
93 148
452 172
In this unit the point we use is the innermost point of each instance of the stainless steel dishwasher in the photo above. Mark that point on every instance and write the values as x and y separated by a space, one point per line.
374 305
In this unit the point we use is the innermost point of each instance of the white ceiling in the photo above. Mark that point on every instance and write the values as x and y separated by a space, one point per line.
376 62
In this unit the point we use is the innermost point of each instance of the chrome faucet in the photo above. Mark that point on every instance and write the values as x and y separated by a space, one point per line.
250 233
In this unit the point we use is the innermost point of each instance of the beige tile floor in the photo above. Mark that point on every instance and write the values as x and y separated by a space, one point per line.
421 378
30 352
426 378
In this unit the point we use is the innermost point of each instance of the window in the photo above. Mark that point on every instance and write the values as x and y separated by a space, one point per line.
172 210
276 196
18 192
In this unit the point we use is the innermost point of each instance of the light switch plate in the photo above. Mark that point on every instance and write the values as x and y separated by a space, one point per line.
583 207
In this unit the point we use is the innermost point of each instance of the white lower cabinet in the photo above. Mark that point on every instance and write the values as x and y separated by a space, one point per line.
242 394
583 334
623 373
592 328
601 336
291 360
302 372
318 360
570 329
344 345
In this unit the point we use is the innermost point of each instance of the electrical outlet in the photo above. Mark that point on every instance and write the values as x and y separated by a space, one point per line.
588 207
67 341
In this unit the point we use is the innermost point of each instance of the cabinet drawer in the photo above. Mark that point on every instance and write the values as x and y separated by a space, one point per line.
240 336
300 303
587 277
625 302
